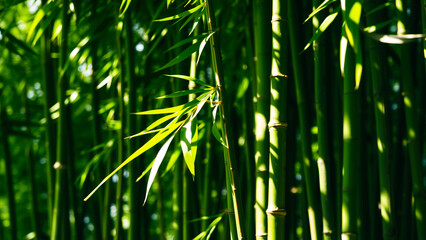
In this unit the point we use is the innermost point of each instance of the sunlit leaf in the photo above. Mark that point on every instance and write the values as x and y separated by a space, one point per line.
215 130
324 25
151 143
184 93
181 15
197 81
189 140
208 232
202 45
157 162
323 5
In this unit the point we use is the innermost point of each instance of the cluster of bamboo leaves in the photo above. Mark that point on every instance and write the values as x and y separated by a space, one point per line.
156 119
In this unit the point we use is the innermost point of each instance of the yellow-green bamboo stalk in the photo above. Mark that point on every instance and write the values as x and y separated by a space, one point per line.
238 228
278 122
60 219
262 45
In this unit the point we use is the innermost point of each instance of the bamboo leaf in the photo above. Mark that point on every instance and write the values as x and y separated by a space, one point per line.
182 56
124 5
157 162
188 140
323 5
197 81
186 40
162 110
324 25
39 16
202 45
207 233
151 143
184 93
215 130
181 15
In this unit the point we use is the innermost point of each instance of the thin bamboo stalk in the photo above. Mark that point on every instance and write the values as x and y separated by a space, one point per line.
229 148
309 169
49 100
262 39
122 131
278 122
9 176
60 219
324 161
134 231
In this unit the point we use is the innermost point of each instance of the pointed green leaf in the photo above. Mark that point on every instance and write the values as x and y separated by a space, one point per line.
197 81
162 110
181 15
152 142
188 140
324 25
181 56
215 130
323 5
147 169
202 45
185 41
184 93
157 162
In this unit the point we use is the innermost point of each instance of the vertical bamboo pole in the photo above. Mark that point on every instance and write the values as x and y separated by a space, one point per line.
324 161
49 100
134 231
411 120
229 148
122 117
262 39
309 169
378 77
9 175
278 122
60 219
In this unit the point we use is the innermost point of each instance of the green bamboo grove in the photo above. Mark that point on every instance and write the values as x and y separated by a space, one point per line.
213 119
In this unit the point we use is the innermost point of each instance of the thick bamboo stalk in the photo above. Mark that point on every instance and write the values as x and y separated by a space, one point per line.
229 148
278 122
262 39
411 120
351 149
309 168
377 73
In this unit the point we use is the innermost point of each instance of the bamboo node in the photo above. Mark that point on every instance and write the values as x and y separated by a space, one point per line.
277 124
278 75
278 212
276 19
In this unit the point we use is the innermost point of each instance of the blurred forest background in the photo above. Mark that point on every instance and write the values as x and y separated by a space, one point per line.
250 120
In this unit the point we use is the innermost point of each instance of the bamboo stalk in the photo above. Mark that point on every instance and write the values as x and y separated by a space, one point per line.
9 176
134 231
278 122
60 220
411 118
229 148
311 181
262 39
377 72
49 100
324 161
